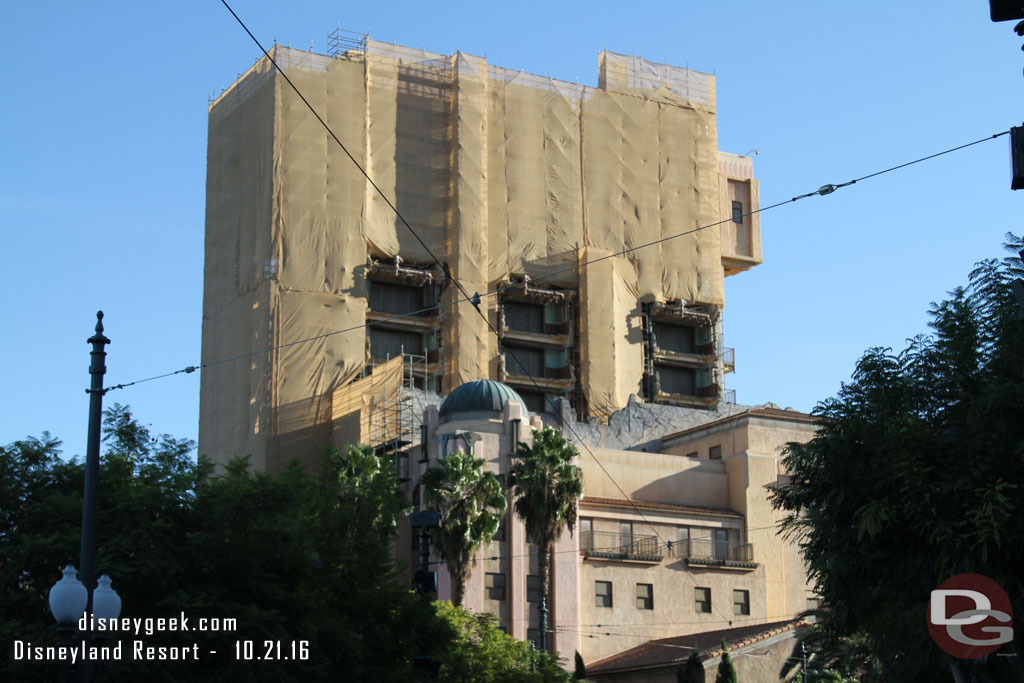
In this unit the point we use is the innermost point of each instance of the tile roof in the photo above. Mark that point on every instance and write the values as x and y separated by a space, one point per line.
671 651
669 507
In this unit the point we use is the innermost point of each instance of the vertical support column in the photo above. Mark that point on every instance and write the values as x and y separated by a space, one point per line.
468 258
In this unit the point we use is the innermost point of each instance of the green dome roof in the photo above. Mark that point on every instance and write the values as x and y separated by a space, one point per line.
480 396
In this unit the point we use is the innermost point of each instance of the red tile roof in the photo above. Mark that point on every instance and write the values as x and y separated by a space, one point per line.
670 507
671 651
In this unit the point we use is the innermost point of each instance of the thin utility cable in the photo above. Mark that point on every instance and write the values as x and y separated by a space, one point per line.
475 299
822 191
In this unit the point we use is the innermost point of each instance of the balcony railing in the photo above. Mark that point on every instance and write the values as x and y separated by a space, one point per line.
609 545
729 359
709 551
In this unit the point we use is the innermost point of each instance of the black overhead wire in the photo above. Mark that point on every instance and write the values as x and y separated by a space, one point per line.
475 299
821 191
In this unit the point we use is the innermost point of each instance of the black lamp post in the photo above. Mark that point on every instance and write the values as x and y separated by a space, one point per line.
92 458
69 597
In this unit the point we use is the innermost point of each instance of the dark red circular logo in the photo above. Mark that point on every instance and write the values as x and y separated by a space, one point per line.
969 616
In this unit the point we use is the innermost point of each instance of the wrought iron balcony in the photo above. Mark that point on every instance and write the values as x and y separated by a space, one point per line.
609 545
706 551
729 359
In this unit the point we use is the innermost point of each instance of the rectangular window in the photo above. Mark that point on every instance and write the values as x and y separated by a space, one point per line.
737 212
683 547
532 635
695 454
721 538
386 344
387 297
703 600
645 596
740 602
532 588
626 535
681 381
499 535
715 453
524 317
603 593
522 361
586 537
678 338
495 585
813 603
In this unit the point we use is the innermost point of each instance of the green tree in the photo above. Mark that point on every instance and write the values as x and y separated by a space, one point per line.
481 652
471 504
726 670
580 673
691 671
547 486
292 557
917 474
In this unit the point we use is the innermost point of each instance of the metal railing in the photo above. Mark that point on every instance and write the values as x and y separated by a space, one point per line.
612 546
706 550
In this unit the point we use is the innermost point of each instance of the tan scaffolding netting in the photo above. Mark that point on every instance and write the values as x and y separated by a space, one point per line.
501 173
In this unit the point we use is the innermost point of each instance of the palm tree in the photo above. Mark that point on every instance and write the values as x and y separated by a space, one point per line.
546 486
471 503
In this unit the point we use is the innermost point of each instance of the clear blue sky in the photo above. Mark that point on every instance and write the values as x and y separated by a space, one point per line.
104 122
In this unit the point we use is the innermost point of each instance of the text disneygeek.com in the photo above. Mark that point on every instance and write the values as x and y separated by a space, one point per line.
100 630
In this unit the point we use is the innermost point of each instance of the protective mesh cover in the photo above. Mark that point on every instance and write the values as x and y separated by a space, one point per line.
501 174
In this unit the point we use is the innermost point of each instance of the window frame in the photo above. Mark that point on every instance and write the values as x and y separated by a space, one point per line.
533 314
534 590
384 297
645 602
601 598
661 370
740 602
491 581
737 212
702 605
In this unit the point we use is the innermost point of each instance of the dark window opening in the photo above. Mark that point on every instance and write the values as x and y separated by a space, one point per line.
524 362
678 338
532 588
715 452
387 297
681 381
386 344
495 585
737 212
524 317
